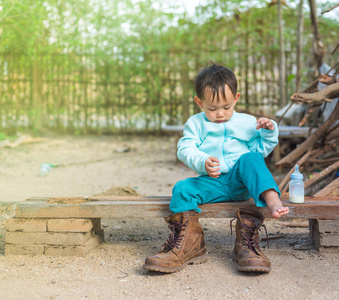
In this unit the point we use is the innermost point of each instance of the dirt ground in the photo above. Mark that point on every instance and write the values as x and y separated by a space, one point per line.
92 165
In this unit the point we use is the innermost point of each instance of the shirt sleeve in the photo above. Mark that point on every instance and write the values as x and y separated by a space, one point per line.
265 140
188 151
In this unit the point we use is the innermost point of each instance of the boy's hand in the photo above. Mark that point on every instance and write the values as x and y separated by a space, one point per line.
265 123
212 167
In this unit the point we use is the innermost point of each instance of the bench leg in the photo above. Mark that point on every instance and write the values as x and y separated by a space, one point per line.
325 234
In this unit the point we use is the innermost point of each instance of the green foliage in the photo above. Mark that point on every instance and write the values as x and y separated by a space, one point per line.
114 59
4 136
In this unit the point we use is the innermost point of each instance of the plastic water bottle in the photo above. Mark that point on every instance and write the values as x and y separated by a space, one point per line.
296 187
44 170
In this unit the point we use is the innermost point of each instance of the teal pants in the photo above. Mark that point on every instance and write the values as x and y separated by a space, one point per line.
248 178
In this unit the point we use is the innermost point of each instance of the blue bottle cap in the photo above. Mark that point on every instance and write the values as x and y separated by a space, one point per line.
297 174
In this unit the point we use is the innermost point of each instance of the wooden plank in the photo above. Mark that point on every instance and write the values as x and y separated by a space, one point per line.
67 200
151 207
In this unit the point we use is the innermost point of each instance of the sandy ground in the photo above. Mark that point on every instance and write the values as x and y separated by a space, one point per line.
92 165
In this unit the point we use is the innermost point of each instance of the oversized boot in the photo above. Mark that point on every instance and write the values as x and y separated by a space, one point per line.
246 249
185 245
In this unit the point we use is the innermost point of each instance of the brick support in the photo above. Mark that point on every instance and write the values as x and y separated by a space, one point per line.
69 225
56 237
325 234
26 225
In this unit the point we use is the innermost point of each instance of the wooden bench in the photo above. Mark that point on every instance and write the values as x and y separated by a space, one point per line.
72 226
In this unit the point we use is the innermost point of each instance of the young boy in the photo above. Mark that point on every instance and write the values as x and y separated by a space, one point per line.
227 149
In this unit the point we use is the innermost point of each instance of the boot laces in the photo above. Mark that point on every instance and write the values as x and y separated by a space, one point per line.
249 234
175 238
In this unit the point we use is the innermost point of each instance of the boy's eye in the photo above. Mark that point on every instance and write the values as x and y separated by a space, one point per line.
226 108
211 109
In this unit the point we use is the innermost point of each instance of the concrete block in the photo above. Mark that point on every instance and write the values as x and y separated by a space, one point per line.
26 225
328 250
69 225
44 210
74 250
11 249
47 238
326 239
328 226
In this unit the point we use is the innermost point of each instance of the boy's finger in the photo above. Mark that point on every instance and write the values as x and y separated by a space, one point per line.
214 175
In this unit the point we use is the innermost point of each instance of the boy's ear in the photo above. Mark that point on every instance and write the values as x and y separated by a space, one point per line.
236 98
198 101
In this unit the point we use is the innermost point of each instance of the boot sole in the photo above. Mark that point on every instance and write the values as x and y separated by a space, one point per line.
249 268
196 260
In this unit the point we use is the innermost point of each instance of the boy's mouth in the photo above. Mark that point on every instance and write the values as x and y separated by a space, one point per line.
220 121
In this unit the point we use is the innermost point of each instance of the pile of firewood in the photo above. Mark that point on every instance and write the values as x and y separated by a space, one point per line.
320 151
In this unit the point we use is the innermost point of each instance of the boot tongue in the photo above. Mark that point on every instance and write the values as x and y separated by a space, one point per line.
250 225
177 218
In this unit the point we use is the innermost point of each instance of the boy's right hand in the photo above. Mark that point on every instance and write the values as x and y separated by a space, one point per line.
212 167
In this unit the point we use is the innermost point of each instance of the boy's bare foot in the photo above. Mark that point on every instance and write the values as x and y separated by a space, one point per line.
278 211
274 204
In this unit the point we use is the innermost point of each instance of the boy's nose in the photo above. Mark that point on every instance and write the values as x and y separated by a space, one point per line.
220 113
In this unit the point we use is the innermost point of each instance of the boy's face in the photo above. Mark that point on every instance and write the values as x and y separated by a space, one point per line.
218 110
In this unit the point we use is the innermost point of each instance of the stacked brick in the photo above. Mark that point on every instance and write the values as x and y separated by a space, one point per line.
53 237
326 235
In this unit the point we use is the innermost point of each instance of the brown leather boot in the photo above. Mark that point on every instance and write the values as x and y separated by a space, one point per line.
185 245
246 249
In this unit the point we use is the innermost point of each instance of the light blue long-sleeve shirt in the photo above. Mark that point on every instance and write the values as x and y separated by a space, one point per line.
226 141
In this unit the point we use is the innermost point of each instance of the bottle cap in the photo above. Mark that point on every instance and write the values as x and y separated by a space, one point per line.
296 174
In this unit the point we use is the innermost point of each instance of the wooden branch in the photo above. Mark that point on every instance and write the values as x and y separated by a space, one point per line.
333 135
299 163
318 47
328 10
335 126
314 84
333 95
329 190
285 112
308 144
322 174
323 78
326 161
335 49
315 97
327 148
304 119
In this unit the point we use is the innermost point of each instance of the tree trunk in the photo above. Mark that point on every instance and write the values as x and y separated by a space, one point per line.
282 58
318 47
299 44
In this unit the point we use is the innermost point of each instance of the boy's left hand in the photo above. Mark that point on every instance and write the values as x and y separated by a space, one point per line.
265 123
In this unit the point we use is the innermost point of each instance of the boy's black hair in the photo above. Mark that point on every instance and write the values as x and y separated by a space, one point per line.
215 76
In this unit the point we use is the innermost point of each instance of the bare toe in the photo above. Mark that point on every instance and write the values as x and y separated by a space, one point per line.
276 215
280 211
